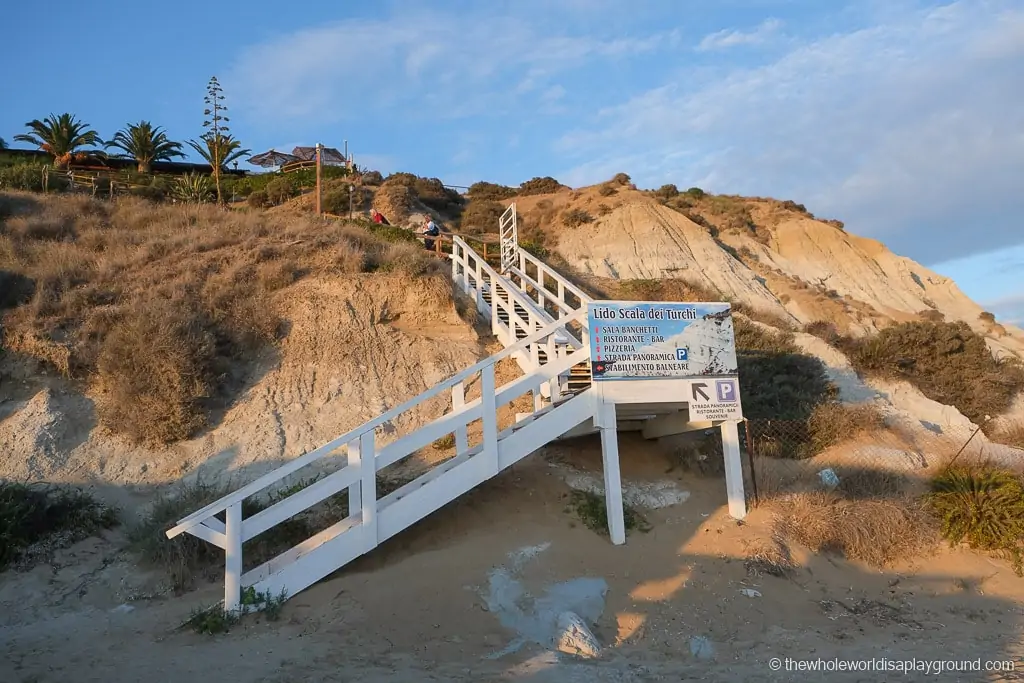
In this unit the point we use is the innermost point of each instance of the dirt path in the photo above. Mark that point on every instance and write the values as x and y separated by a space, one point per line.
417 608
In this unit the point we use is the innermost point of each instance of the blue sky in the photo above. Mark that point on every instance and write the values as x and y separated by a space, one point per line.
903 118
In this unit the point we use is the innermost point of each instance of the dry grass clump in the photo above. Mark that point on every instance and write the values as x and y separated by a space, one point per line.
1010 433
878 531
161 305
768 558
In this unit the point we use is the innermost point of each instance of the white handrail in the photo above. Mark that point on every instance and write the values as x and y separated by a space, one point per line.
198 517
496 279
555 275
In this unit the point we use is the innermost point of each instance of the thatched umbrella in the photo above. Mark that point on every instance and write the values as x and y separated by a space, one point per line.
272 158
329 155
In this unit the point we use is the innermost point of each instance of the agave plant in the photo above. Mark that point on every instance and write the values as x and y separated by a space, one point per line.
146 144
62 136
192 188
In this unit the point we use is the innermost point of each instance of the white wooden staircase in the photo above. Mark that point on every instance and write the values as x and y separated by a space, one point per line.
540 317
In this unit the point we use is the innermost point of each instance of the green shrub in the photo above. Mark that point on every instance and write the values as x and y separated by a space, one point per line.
824 330
606 190
591 510
258 199
336 201
484 191
696 193
948 362
545 185
481 216
622 179
573 218
26 177
667 191
30 515
280 190
982 506
372 178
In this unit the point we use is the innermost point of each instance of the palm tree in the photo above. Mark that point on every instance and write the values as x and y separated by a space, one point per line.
218 150
61 136
146 144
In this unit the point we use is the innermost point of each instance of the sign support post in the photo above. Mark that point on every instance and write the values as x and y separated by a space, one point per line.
679 355
606 422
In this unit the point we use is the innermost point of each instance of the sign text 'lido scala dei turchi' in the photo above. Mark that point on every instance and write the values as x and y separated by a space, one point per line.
632 340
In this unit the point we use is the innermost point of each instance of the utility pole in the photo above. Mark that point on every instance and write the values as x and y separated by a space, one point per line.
351 191
319 186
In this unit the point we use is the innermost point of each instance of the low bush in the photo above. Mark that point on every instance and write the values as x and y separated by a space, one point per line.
31 516
607 190
1010 433
876 531
26 177
258 199
430 191
982 506
484 191
280 190
668 191
987 317
573 218
545 185
481 216
777 381
824 330
591 510
948 362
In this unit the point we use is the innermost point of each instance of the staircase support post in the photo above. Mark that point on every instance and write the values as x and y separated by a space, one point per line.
489 456
733 470
233 558
607 423
355 499
368 483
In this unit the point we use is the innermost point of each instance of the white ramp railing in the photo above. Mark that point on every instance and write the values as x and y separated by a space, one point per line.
372 519
508 230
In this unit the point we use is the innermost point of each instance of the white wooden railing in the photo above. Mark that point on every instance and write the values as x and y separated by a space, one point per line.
509 233
370 519
474 276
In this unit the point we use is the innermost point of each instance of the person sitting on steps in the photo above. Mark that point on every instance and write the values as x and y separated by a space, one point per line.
429 230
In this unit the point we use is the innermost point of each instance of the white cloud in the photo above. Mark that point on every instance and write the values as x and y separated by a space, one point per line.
421 61
911 130
733 37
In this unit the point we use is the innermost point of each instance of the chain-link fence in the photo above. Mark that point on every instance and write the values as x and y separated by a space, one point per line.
784 456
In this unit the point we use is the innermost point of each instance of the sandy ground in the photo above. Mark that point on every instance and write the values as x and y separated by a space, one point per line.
427 605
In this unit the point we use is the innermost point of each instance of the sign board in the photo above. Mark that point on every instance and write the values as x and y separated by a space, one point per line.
715 399
644 340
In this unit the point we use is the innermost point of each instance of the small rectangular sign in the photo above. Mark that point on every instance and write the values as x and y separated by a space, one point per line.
715 399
